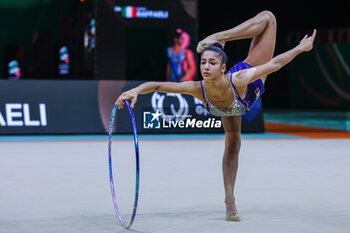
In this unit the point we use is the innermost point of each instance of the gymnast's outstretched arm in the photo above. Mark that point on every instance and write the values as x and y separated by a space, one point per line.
244 77
189 87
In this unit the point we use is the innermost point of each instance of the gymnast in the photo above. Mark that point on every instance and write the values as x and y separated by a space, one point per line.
231 94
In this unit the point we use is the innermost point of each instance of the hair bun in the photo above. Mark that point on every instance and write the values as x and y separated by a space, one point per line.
217 44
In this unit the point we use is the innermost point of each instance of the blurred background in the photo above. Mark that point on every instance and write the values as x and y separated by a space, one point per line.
68 50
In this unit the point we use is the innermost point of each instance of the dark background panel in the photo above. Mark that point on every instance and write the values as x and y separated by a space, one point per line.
146 53
291 16
33 31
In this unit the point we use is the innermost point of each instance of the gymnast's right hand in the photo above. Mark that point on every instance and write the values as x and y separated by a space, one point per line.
128 95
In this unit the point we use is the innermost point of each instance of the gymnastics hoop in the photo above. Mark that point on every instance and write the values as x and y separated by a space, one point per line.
126 226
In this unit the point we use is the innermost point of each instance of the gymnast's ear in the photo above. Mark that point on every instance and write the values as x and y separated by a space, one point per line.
223 68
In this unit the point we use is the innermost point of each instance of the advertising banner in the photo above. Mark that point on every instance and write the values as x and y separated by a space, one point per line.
49 107
84 107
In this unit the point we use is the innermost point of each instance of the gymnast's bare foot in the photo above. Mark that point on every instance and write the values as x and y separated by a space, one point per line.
231 212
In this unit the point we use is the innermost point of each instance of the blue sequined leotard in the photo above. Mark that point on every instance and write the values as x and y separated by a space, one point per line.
239 106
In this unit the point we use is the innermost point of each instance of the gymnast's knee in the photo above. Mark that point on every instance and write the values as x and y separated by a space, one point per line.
232 143
268 16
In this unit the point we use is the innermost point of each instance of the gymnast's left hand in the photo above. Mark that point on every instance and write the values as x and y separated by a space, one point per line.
306 43
128 95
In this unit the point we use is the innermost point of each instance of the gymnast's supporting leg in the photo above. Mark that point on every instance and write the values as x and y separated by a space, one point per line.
262 28
232 126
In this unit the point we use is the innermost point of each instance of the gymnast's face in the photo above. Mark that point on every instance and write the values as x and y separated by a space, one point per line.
211 65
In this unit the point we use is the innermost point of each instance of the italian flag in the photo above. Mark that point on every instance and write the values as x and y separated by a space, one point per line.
129 12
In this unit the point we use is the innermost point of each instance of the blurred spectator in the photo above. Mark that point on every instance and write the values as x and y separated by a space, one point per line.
181 64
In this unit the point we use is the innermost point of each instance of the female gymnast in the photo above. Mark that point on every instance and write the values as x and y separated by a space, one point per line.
231 94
